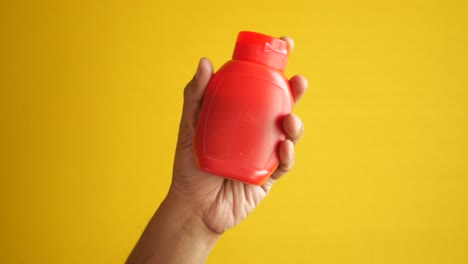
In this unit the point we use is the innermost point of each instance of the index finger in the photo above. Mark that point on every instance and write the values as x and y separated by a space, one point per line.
290 41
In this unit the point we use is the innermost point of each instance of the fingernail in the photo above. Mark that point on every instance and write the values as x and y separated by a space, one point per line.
297 120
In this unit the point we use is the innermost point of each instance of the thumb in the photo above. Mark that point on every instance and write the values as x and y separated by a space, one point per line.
193 96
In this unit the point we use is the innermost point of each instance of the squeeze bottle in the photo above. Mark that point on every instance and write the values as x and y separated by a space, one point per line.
240 123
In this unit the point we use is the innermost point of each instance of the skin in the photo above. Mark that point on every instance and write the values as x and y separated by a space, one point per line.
200 207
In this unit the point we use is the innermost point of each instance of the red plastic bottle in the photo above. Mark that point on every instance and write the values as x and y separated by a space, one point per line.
240 124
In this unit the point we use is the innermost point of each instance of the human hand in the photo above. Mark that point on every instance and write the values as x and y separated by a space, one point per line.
199 206
223 203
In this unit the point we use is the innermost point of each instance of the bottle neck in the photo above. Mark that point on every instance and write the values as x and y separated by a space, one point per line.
262 49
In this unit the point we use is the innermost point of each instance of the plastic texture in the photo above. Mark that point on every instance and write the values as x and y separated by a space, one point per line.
240 123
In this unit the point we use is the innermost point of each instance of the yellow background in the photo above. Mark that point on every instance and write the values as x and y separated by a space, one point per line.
90 100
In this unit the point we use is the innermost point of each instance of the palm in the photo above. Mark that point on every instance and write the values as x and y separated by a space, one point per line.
233 202
223 203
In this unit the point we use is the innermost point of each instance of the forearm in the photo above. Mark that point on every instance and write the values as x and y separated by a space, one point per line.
175 234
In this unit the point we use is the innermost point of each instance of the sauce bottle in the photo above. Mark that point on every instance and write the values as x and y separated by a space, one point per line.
240 123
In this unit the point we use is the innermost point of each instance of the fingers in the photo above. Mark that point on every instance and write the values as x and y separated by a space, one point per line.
293 127
298 83
290 41
287 157
195 89
299 86
193 96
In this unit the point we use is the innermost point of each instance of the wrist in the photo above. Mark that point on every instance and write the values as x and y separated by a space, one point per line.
175 234
189 215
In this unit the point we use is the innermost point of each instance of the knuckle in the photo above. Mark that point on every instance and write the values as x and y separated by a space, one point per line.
188 90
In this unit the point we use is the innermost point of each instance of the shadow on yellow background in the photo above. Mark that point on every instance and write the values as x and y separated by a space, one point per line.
90 99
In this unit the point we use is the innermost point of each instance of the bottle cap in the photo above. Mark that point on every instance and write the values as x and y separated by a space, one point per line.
260 48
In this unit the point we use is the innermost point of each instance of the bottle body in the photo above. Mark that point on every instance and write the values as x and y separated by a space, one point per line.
240 123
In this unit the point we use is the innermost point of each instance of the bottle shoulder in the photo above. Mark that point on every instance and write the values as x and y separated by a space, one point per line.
254 70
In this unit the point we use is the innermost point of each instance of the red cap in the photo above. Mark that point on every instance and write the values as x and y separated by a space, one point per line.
260 48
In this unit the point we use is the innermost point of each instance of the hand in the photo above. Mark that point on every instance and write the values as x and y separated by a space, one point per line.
199 206
222 203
